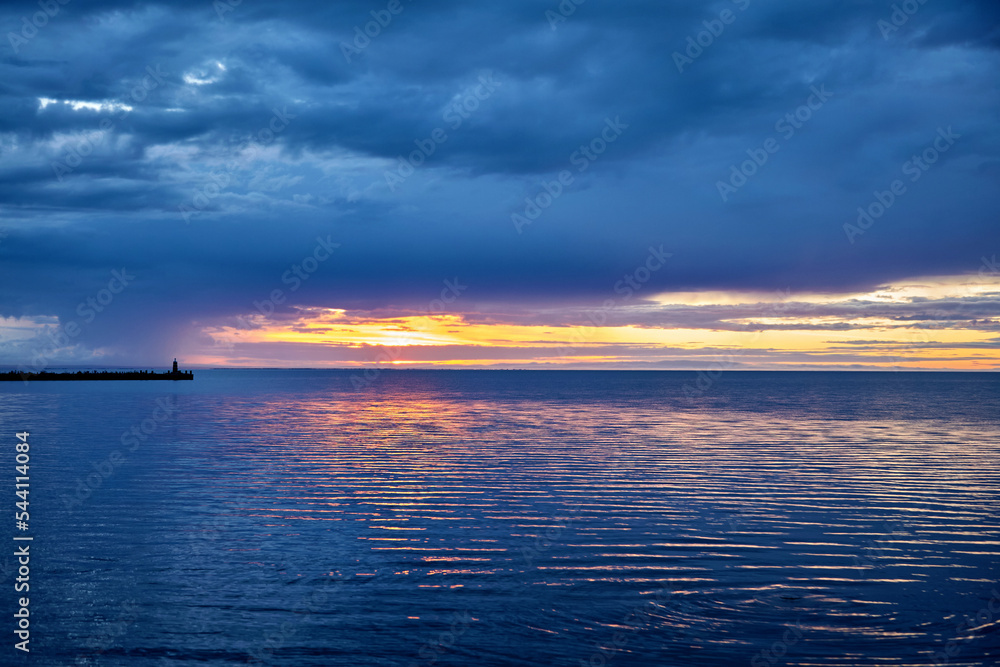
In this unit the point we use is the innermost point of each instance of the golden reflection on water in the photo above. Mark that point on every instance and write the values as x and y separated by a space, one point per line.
637 480
748 517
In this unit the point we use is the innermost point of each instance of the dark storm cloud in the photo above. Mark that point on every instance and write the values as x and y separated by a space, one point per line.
80 197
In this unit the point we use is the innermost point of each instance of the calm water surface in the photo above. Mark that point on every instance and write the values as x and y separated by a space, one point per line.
502 518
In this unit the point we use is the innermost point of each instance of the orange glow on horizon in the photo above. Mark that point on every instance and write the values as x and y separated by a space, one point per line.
769 339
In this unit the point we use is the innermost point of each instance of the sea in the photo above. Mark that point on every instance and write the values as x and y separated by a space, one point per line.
577 518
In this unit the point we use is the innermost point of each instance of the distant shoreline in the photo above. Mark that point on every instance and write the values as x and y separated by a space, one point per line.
81 376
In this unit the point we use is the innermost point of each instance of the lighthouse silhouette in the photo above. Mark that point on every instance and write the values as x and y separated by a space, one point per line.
175 365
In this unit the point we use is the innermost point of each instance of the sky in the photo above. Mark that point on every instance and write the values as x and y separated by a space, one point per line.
755 184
